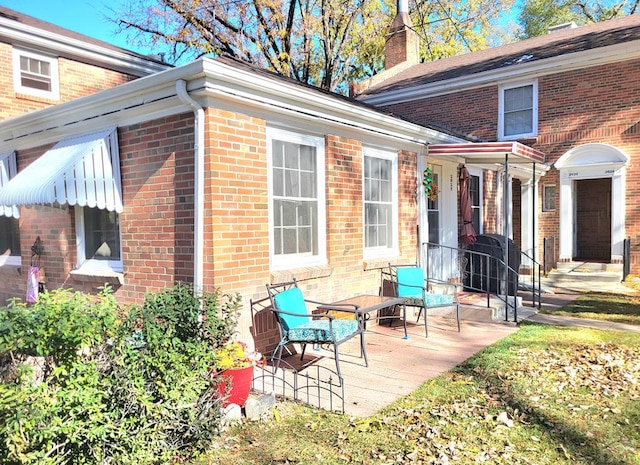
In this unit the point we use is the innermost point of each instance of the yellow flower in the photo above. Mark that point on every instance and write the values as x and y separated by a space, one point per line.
235 355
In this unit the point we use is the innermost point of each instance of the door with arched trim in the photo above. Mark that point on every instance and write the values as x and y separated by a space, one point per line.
593 219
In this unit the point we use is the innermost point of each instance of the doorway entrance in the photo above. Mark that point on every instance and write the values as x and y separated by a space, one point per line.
593 219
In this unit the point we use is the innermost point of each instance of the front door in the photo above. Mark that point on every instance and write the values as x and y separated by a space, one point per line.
593 219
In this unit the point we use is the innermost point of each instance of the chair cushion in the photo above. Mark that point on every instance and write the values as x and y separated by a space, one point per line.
318 331
437 299
410 281
430 300
292 301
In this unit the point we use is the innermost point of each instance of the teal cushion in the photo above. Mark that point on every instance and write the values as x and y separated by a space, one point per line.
410 281
318 331
431 300
292 301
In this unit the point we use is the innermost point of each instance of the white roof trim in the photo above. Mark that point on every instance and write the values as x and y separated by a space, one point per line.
7 171
82 171
558 64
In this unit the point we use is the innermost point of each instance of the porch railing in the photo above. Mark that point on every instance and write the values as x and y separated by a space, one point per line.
484 273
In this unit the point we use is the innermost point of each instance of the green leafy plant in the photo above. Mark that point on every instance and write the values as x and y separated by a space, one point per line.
84 381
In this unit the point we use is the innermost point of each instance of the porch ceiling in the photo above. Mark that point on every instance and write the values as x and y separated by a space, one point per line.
489 152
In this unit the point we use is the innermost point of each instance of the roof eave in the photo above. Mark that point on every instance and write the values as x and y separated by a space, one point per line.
624 51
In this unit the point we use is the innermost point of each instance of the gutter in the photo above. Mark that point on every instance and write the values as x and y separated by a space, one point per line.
198 189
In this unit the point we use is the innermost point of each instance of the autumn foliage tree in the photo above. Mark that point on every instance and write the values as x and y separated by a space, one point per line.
325 43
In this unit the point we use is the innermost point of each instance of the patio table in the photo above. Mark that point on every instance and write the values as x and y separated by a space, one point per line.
364 305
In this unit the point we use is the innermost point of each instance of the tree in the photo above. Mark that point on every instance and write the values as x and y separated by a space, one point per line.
538 15
326 43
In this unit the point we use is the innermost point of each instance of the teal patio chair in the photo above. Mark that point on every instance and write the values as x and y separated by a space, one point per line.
297 325
409 282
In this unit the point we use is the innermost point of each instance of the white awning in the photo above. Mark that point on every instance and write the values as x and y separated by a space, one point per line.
83 171
8 171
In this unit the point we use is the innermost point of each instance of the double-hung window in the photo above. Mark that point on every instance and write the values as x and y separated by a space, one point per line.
380 203
35 74
518 111
297 200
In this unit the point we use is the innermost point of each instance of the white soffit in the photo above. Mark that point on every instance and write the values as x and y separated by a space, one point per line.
83 171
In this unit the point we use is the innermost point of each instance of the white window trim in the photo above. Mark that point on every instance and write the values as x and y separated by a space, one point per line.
513 85
291 261
54 94
381 252
92 266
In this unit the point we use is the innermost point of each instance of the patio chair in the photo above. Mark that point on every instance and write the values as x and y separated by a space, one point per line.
297 325
410 282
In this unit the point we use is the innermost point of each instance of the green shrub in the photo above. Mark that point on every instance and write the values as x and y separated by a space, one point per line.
82 381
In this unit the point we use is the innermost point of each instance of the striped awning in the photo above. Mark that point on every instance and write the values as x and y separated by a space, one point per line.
489 152
8 171
83 171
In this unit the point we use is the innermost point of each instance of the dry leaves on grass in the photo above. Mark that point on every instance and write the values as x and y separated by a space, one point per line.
605 370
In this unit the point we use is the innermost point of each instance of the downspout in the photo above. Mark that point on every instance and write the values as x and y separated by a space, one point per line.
198 188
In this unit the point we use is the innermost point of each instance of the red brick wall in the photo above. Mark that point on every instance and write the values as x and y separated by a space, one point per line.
156 224
76 80
157 166
597 104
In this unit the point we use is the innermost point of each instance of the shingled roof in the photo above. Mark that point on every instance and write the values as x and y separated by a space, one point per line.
560 42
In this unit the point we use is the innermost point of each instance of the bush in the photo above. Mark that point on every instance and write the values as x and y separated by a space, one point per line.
84 382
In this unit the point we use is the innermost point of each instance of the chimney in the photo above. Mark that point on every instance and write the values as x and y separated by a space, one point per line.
402 41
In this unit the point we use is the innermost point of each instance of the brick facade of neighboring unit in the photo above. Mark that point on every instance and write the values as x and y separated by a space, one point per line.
77 79
576 105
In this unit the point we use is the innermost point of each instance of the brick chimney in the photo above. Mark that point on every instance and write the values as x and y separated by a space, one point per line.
402 41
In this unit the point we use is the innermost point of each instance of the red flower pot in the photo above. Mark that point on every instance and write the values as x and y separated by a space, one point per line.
239 382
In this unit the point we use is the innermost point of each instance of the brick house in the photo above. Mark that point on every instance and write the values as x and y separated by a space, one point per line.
573 95
215 173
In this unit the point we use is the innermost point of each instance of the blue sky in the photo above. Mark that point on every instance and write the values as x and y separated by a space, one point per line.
84 16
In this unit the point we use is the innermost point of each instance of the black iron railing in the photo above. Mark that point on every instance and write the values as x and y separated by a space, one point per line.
485 273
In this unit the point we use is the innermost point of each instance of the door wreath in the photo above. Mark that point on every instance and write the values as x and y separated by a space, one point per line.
431 189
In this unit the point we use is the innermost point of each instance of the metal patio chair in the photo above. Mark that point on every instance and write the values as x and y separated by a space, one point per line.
297 325
409 282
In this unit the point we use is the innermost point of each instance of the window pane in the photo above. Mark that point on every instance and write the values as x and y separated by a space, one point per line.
518 110
295 203
35 73
102 234
9 236
378 202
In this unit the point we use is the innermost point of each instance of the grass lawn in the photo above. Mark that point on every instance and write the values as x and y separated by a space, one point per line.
620 308
545 395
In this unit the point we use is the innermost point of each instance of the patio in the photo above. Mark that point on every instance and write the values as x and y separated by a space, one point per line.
396 366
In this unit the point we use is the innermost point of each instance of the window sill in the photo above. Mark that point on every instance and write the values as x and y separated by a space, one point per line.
379 263
98 276
301 274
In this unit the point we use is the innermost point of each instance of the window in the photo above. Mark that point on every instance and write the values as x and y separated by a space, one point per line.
35 74
380 202
98 239
548 198
9 238
10 253
297 216
476 205
518 114
433 208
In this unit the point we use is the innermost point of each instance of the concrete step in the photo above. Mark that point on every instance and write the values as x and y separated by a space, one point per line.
585 274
